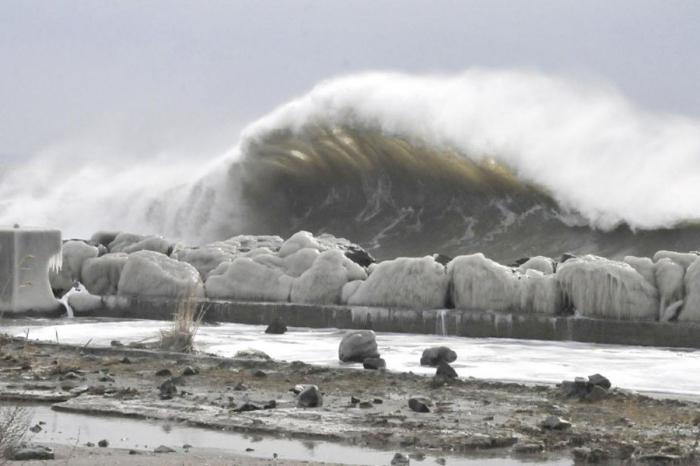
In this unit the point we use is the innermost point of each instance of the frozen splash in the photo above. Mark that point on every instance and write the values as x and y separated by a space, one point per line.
646 369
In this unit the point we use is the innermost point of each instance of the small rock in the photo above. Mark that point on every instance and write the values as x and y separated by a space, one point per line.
116 343
441 461
106 379
277 327
659 458
70 376
249 449
358 345
32 452
354 400
377 401
420 404
599 380
134 452
555 423
251 355
189 370
163 449
103 443
365 405
90 444
245 407
527 448
400 459
35 429
433 356
167 390
186 446
259 373
445 370
164 373
374 363
125 360
240 387
310 397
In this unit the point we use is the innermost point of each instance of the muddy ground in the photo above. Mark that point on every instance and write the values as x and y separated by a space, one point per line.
362 407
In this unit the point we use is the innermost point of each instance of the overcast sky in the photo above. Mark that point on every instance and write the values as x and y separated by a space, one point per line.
150 76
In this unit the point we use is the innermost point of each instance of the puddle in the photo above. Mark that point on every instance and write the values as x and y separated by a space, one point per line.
77 429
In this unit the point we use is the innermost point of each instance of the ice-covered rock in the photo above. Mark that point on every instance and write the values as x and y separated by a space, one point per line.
74 254
482 284
348 290
681 258
404 282
668 276
300 261
101 275
204 259
130 242
152 274
599 287
299 240
247 280
539 263
103 238
691 309
323 282
358 345
539 293
643 265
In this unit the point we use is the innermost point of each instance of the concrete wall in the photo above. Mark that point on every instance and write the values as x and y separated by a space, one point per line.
447 321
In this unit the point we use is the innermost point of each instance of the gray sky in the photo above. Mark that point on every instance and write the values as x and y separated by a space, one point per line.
149 76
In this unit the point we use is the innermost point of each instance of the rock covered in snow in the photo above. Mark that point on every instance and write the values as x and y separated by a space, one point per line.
691 309
482 284
404 282
358 345
130 242
101 275
669 278
152 274
323 282
539 263
643 265
248 280
74 253
599 287
682 258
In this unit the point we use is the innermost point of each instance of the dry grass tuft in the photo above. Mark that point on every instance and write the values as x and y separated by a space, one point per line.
14 424
186 321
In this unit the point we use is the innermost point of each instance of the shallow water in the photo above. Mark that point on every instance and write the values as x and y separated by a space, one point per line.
77 429
648 369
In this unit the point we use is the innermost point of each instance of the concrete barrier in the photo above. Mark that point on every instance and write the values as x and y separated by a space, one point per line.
451 322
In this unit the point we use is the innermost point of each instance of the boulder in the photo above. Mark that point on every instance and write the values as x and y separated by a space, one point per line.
598 287
669 278
404 282
644 266
130 242
482 284
101 274
599 380
74 254
204 259
685 259
277 327
539 263
299 240
151 274
358 345
436 354
691 309
246 279
323 282
446 371
538 293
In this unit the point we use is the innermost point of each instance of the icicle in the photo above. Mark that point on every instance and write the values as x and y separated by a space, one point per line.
56 262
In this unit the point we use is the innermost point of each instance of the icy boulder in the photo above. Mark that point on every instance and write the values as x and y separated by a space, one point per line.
300 261
599 287
204 259
245 279
101 275
323 282
539 263
129 242
668 276
152 274
681 258
539 293
691 309
643 265
74 254
299 240
482 284
404 282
